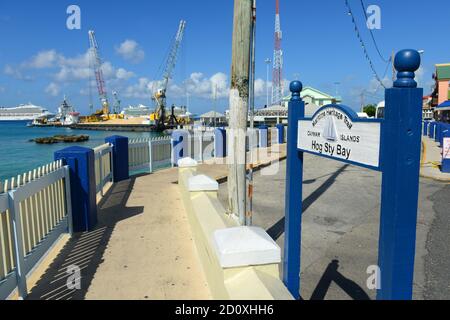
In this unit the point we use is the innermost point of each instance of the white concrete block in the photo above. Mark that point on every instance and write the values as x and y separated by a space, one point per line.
245 246
202 183
187 163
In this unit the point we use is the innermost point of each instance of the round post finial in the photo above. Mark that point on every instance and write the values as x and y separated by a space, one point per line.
296 87
406 63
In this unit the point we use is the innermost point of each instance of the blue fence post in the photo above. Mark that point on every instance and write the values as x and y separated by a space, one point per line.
445 167
437 133
425 127
82 186
280 128
294 187
400 163
432 130
120 157
220 143
180 139
263 136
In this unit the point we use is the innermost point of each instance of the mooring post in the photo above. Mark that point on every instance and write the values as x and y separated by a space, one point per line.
294 186
400 164
82 186
119 157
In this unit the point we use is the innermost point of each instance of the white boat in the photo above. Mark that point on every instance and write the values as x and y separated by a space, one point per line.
67 115
24 112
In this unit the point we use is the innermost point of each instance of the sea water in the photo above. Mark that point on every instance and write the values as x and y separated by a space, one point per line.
18 155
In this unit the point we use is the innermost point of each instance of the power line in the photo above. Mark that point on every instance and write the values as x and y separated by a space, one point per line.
358 35
371 34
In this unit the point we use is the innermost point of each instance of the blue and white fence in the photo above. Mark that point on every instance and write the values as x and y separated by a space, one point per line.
35 210
103 168
149 154
440 132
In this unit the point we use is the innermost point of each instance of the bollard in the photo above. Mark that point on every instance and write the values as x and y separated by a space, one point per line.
263 136
400 163
445 168
82 186
220 143
119 157
280 128
180 150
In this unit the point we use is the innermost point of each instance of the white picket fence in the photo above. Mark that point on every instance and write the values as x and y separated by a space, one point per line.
35 210
103 168
149 154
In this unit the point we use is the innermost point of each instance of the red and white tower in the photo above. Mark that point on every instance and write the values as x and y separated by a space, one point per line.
277 76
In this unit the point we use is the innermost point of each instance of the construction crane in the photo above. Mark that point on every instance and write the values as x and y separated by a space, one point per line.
97 65
159 96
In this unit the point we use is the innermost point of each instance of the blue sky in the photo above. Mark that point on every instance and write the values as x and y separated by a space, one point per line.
41 60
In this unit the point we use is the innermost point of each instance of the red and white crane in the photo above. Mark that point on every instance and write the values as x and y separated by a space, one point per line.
97 65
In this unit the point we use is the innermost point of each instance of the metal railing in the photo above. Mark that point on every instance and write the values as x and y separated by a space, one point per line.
149 154
103 168
35 210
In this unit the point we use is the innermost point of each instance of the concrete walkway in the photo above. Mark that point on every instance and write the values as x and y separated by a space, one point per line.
142 247
431 161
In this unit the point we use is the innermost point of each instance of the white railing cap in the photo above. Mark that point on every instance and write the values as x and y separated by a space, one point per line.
187 163
202 183
245 246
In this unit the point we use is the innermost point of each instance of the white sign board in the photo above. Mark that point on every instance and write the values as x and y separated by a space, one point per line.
446 149
332 133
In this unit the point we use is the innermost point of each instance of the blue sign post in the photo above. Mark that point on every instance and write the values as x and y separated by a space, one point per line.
392 146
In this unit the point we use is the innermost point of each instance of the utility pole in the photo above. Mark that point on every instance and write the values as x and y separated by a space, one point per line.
249 215
239 97
215 104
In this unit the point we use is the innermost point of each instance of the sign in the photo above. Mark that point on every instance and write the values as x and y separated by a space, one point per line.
336 131
446 149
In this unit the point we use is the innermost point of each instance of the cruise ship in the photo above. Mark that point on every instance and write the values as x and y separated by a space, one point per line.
24 112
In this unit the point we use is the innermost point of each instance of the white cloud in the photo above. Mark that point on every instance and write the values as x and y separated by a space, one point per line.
124 74
44 59
141 90
131 51
66 69
16 73
52 89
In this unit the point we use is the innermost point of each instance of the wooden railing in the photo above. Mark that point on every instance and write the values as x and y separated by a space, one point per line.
35 209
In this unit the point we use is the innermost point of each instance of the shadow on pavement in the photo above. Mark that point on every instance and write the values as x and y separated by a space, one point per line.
278 228
332 274
85 250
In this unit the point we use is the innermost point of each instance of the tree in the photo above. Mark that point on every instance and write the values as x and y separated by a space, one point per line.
370 109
